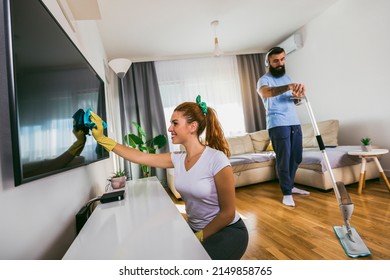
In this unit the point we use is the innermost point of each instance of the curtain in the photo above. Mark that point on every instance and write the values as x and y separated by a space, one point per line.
140 101
250 68
214 79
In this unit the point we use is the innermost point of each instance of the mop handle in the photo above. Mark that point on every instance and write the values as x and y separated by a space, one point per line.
314 123
322 148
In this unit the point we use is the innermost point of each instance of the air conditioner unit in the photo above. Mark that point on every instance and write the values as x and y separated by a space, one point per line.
292 43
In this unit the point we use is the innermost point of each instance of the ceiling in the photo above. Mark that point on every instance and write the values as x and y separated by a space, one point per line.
171 29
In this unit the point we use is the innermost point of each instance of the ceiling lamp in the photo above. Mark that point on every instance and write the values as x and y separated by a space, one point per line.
120 66
217 49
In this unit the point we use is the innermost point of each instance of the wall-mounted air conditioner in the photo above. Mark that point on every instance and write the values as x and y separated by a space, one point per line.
292 43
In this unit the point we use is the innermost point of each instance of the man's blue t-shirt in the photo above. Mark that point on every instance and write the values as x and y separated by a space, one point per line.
280 110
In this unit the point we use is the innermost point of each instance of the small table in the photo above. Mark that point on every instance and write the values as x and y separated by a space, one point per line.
374 153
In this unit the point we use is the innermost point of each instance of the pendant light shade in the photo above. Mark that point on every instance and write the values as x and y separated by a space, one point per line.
120 66
217 49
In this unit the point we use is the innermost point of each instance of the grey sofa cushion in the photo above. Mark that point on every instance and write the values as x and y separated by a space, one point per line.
338 157
251 158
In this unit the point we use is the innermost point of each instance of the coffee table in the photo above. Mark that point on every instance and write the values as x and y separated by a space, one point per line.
373 154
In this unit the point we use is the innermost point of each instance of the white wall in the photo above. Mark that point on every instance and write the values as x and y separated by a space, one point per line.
345 66
38 218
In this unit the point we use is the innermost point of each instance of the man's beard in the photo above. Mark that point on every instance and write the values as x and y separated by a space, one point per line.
277 72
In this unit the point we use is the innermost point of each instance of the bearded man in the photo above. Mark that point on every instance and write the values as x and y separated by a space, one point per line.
277 91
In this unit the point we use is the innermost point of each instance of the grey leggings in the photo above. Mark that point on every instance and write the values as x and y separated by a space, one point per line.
229 243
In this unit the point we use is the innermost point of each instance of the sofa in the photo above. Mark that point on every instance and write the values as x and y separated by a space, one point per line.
253 160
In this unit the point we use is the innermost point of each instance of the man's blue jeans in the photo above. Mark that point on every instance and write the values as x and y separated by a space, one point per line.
287 144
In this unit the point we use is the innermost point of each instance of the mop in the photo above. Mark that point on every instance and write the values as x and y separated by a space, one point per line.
350 240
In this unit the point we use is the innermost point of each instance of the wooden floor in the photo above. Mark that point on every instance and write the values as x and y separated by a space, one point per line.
305 232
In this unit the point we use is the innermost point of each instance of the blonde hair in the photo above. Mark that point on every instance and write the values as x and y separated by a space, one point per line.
209 121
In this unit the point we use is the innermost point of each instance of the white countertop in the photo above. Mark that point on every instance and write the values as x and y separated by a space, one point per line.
145 225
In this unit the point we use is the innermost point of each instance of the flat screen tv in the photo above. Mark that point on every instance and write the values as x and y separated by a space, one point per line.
50 80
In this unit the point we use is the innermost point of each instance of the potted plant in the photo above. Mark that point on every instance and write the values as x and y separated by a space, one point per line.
118 179
366 144
141 143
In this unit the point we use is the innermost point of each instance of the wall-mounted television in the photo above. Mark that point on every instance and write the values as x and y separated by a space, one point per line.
50 80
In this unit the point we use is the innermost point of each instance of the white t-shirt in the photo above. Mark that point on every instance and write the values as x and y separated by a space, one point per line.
197 186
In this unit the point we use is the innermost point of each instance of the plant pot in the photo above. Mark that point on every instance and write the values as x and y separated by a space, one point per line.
118 182
366 148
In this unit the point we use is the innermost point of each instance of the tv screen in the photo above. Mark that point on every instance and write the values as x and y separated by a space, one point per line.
51 80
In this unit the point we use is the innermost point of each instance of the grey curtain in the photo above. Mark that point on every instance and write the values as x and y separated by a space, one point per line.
251 67
140 101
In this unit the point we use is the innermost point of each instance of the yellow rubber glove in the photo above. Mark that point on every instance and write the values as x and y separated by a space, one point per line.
78 146
199 235
97 132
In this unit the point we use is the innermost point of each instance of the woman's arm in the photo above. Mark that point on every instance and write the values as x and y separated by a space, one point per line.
62 160
136 156
131 154
224 182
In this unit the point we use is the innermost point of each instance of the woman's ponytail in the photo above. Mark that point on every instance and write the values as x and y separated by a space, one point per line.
215 137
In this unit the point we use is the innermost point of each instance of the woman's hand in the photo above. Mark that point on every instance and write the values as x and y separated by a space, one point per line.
78 145
97 132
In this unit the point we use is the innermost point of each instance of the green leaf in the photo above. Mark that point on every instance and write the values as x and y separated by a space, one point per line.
365 141
160 141
119 173
143 149
140 130
133 140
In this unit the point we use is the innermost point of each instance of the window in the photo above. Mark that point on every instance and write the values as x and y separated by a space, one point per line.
216 80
